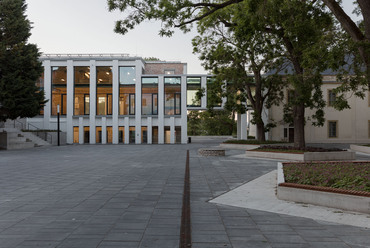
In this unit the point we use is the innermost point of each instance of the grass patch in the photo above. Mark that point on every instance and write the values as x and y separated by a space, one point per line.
253 142
341 175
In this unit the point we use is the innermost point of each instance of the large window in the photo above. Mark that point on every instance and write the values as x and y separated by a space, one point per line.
149 97
154 135
172 95
82 90
213 89
127 80
121 134
59 90
333 129
193 86
132 135
331 98
104 90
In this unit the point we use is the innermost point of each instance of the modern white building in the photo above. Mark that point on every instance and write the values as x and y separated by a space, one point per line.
117 99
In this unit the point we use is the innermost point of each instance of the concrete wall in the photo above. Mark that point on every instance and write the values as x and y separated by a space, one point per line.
353 123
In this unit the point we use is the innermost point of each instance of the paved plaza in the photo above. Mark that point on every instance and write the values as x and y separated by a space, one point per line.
118 196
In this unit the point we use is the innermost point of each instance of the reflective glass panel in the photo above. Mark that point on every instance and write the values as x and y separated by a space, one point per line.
58 89
104 90
82 90
172 91
193 86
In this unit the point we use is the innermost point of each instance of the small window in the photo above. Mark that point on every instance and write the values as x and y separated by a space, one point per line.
290 96
333 129
331 98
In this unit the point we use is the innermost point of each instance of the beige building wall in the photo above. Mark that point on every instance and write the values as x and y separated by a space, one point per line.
352 124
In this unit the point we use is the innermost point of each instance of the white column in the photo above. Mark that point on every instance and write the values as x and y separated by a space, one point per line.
104 130
138 104
238 126
160 110
149 128
127 129
184 114
115 101
203 84
172 130
80 130
47 89
70 83
92 101
243 127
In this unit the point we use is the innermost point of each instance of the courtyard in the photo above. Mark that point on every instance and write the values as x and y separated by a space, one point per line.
131 196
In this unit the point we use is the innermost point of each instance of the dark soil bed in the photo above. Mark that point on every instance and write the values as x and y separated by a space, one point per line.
291 149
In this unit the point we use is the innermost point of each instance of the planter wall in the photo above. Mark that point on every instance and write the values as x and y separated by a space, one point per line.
239 146
358 148
321 198
307 156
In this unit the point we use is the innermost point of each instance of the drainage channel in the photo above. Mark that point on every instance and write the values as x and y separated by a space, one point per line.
185 231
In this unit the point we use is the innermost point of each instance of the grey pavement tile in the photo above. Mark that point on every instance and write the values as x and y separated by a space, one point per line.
37 244
160 241
87 242
250 244
117 244
211 245
329 245
285 238
124 236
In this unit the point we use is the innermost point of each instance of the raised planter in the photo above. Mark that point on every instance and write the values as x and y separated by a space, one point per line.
359 148
307 156
322 196
211 152
239 146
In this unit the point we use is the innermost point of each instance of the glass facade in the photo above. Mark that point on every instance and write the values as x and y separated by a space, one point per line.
121 134
109 135
127 79
167 135
154 135
144 135
104 81
86 135
81 90
172 96
193 86
149 96
98 138
76 136
132 135
59 90
178 134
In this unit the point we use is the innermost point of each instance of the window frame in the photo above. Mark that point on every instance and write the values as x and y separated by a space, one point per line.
336 129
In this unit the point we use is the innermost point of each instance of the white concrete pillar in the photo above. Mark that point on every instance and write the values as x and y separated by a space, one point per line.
184 115
80 130
243 127
70 102
238 126
126 123
104 130
203 84
47 89
115 99
161 110
138 103
172 130
92 102
149 128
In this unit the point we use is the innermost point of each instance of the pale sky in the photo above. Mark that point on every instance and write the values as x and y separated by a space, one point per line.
86 26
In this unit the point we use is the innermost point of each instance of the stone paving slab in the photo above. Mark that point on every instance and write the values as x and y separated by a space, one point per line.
131 196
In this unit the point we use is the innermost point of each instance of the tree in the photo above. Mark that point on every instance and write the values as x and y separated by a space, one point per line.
360 34
240 55
300 26
19 64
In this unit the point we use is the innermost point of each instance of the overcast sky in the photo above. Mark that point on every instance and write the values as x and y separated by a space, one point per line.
86 26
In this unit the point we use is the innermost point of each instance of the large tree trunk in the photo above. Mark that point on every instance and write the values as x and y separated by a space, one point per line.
299 120
261 131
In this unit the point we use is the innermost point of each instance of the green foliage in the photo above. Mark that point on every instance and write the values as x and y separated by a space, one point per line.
218 122
151 59
19 64
343 175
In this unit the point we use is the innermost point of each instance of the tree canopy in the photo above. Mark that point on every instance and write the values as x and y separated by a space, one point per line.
19 64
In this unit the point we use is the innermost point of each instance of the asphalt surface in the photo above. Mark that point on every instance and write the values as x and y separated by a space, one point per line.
131 196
